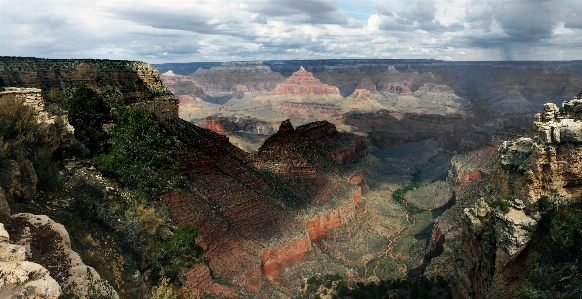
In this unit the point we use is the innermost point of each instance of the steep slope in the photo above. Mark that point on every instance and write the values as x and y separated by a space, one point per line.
261 216
499 227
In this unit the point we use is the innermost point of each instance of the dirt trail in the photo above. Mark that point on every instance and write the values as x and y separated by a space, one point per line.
391 242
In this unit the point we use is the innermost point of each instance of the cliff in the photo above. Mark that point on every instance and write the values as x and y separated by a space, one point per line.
126 82
262 217
499 227
237 77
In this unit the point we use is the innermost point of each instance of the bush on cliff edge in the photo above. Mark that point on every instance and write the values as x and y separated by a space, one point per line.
554 266
141 155
87 114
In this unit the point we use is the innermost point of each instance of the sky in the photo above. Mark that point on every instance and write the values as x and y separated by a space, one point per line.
223 30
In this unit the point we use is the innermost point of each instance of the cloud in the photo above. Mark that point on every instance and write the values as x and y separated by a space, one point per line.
519 24
222 30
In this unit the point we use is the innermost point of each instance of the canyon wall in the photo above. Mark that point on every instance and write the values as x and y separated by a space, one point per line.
261 217
494 246
125 82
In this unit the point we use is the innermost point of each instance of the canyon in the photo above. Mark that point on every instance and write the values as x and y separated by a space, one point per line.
291 169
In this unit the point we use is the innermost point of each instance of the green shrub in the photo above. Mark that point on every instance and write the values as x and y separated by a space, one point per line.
177 253
555 258
141 154
18 126
502 204
544 203
87 114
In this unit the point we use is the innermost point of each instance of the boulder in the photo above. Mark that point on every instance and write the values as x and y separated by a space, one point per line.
48 244
28 280
20 278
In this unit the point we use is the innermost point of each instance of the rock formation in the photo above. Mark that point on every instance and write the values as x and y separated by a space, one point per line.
127 82
47 243
261 216
18 178
491 259
20 278
303 82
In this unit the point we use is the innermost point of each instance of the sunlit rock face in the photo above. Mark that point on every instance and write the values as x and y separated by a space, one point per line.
47 244
303 82
491 259
20 278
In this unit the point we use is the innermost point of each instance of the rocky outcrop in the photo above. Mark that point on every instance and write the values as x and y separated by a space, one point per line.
395 88
262 216
127 82
490 261
549 161
20 278
18 177
303 82
493 250
47 244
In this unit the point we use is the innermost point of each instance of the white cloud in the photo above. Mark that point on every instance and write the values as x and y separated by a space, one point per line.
219 30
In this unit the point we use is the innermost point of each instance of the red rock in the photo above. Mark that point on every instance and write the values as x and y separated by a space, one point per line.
274 260
395 88
303 82
213 125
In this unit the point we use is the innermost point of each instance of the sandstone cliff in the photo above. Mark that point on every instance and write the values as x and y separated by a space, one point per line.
126 82
499 227
262 217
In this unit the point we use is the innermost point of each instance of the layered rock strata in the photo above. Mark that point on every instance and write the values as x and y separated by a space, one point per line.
491 258
126 82
303 82
261 215
244 76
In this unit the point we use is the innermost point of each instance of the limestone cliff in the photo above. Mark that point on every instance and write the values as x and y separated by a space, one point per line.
499 227
125 82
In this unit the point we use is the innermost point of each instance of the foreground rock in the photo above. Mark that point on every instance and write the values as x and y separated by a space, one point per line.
20 278
47 243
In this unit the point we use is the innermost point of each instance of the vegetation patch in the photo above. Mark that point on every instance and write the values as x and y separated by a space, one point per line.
177 253
555 261
335 286
429 196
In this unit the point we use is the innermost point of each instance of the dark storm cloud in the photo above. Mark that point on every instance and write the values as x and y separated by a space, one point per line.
573 16
423 12
523 23
421 16
169 19
302 11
